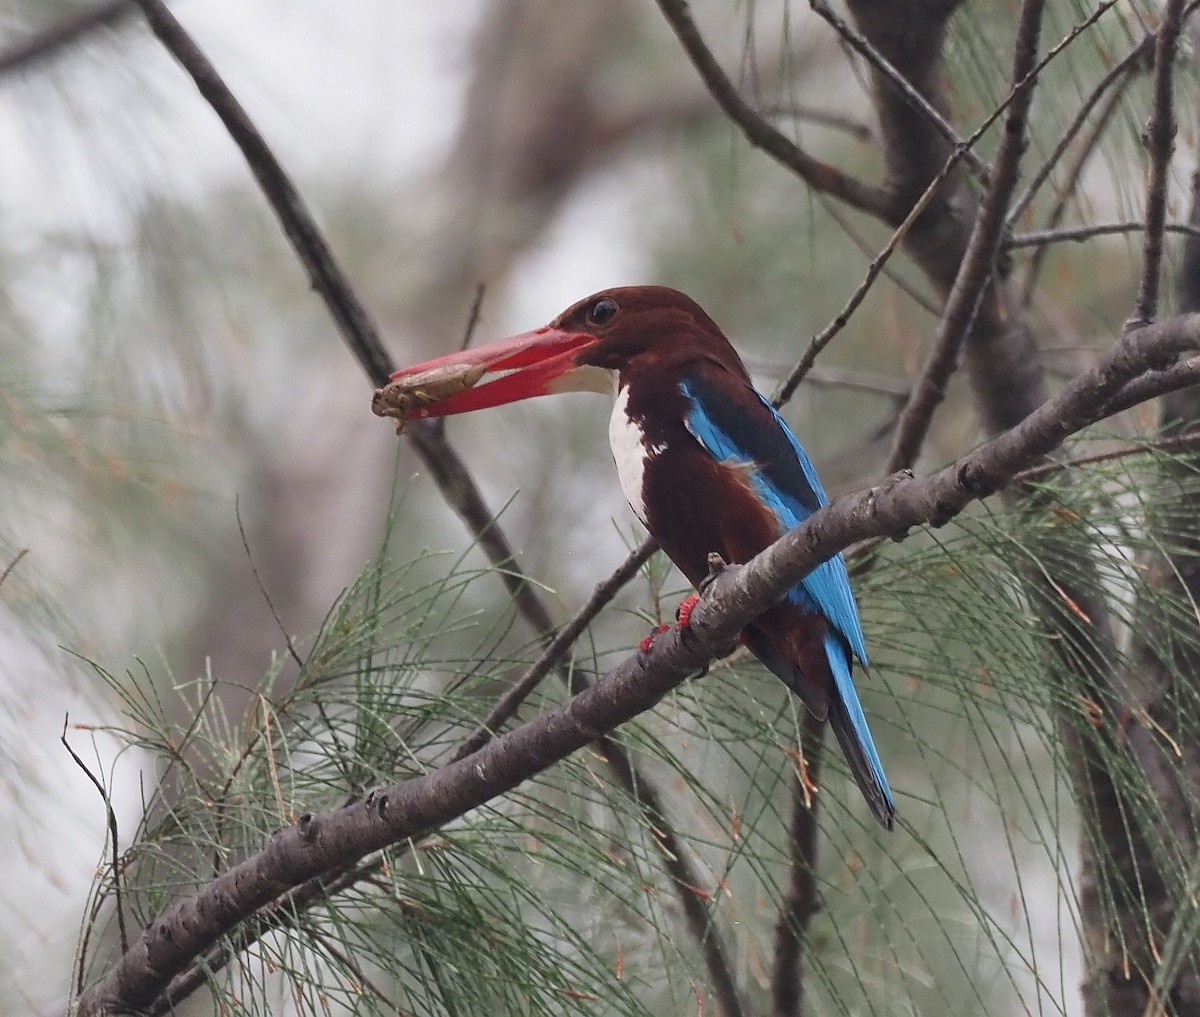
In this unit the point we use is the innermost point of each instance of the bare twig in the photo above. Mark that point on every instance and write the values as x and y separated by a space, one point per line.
114 835
800 902
1078 234
865 246
507 705
1120 71
439 423
12 565
914 98
818 175
1186 441
64 32
1160 139
975 274
826 118
857 381
473 316
237 512
788 387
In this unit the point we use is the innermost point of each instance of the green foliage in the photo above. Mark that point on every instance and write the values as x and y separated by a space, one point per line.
553 900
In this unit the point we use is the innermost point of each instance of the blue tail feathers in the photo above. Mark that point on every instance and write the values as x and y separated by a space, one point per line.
849 724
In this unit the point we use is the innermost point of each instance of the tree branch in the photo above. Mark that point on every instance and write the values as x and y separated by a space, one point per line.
1078 234
317 843
357 329
800 901
912 96
818 175
1160 137
64 32
974 276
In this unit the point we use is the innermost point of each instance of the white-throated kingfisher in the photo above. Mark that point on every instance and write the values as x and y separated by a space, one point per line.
706 464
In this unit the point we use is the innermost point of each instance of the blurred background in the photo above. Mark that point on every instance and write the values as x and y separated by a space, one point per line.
177 412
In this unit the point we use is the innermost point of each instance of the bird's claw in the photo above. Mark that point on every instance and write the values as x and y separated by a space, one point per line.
716 565
683 614
645 644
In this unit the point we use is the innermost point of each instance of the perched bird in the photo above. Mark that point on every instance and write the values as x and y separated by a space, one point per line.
705 462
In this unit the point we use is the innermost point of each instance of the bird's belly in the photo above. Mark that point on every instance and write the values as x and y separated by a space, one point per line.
629 451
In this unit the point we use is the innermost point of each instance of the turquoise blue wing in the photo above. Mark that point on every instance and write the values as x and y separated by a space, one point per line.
748 431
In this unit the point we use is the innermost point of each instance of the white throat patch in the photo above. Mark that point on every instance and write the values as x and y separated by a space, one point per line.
630 452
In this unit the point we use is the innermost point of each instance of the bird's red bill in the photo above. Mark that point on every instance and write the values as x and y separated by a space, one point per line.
526 365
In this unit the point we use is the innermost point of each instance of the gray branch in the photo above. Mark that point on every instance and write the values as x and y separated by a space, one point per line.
320 842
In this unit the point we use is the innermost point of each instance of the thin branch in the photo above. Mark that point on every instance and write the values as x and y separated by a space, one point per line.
12 565
915 100
818 175
826 118
507 705
801 901
113 833
1181 442
1120 71
62 34
788 387
1160 139
1069 185
317 843
1078 234
473 316
237 512
974 276
865 246
439 424
857 381
357 329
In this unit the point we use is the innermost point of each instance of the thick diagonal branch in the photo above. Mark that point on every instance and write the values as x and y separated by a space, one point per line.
319 843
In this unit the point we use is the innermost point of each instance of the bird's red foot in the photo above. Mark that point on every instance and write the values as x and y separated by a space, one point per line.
684 614
645 644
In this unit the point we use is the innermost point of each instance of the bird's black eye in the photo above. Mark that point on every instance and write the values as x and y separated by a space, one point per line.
603 310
